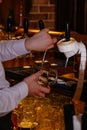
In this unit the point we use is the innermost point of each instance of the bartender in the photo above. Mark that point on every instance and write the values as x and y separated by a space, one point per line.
11 96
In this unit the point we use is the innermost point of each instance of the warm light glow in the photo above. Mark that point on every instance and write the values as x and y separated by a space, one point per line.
50 32
53 64
40 61
37 30
26 67
1 1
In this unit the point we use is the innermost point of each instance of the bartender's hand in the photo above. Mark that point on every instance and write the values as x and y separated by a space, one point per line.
36 89
41 41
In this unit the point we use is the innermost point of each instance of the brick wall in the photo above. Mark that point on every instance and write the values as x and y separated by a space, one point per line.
42 9
33 9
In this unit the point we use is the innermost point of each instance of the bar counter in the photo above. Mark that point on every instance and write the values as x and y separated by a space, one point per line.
48 112
52 112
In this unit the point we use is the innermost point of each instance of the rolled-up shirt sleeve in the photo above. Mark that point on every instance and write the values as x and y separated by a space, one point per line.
12 48
10 97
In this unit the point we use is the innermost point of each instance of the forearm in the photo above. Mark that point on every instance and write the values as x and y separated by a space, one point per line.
11 49
10 97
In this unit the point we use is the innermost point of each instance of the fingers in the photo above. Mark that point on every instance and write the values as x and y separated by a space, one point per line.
54 40
39 73
42 93
46 30
45 89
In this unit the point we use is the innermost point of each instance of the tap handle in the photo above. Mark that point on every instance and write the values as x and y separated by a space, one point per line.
67 31
26 25
41 24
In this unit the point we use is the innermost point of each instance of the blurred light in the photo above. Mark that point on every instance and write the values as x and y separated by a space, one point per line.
1 1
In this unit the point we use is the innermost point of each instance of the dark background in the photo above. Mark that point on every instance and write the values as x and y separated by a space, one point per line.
73 11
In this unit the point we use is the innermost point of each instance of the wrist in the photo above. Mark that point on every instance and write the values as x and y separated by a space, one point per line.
27 44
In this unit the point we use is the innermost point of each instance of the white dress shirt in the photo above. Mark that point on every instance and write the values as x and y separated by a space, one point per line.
11 96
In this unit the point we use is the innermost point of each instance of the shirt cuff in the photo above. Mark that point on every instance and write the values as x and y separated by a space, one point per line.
23 90
19 47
